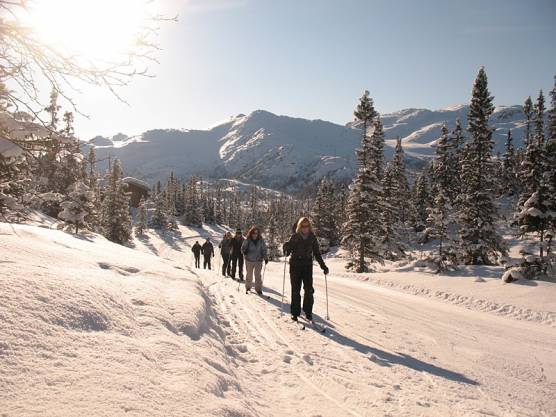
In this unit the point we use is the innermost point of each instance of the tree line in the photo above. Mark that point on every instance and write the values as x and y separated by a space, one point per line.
453 200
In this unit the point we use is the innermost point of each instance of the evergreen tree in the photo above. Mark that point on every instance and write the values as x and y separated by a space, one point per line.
391 214
375 154
115 216
324 219
193 214
141 219
443 166
509 167
421 199
363 230
439 220
480 242
400 200
550 168
78 205
539 119
457 144
529 112
159 218
272 238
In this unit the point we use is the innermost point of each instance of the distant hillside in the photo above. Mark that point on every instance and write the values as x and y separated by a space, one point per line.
286 153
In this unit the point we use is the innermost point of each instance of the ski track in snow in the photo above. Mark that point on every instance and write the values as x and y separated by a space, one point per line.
387 351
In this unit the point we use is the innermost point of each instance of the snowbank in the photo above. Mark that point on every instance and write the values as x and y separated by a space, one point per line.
476 288
91 328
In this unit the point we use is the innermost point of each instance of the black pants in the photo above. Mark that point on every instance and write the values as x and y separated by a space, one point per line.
302 273
197 261
206 262
237 265
226 264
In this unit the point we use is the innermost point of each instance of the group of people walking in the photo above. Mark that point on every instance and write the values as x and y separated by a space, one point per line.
207 250
251 250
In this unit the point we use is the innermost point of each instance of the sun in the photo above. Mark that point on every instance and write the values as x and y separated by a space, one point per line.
91 29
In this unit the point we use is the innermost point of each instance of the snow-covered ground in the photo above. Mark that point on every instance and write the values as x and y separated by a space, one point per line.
91 328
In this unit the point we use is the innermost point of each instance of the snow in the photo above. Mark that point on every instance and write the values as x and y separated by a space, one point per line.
112 330
276 151
137 182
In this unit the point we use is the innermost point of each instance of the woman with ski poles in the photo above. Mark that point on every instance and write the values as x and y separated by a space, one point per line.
255 253
303 247
225 251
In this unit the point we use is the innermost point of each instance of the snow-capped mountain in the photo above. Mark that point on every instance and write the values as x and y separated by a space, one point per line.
284 152
420 128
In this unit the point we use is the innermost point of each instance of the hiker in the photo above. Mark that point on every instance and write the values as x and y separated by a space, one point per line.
255 252
208 253
236 255
196 249
225 251
303 246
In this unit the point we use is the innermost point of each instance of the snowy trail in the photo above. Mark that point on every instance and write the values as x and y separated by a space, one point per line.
150 335
386 353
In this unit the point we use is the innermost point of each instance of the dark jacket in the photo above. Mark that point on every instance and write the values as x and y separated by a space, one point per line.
302 250
225 247
196 249
237 241
207 250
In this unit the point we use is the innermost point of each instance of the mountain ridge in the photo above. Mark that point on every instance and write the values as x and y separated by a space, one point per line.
285 152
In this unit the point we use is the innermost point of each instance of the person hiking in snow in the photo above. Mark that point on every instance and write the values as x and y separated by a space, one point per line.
225 251
196 249
255 252
208 252
236 255
303 247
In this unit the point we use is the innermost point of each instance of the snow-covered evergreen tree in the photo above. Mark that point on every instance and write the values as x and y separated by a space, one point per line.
443 166
439 220
363 230
115 214
421 197
480 241
193 214
159 218
78 205
400 199
141 219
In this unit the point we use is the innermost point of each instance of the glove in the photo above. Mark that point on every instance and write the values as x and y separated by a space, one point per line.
325 270
266 261
286 250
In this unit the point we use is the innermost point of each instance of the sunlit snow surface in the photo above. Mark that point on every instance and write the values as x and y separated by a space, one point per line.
91 328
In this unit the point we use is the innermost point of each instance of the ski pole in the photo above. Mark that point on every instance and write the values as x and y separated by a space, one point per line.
326 288
284 285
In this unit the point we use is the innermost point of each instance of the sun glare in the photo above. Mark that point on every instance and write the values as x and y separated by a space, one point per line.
93 29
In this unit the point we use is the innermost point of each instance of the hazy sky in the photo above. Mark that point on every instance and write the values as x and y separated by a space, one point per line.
313 59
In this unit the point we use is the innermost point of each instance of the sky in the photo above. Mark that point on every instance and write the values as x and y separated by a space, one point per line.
314 58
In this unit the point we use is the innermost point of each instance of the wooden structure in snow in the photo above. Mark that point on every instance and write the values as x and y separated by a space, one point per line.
137 189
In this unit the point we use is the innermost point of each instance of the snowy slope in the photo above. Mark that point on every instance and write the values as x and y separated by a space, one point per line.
420 128
284 152
92 328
